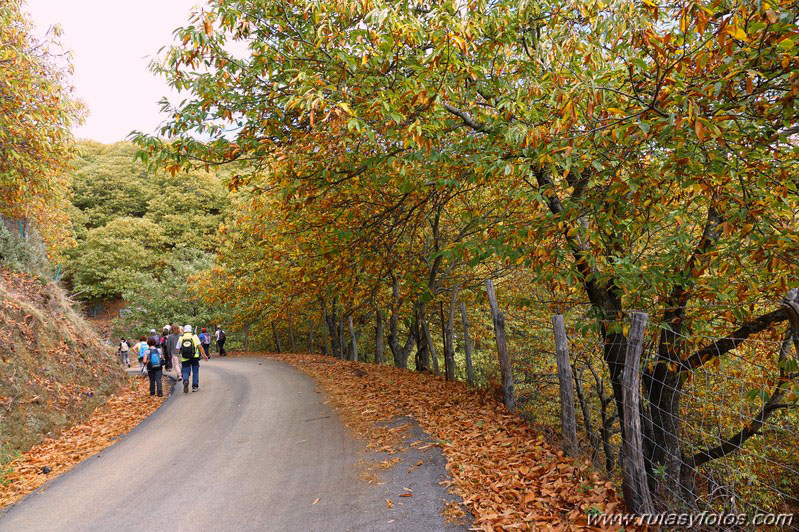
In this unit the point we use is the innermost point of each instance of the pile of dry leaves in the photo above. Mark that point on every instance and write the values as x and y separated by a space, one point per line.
123 411
508 476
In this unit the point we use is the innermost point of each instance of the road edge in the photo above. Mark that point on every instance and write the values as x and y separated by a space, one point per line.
59 477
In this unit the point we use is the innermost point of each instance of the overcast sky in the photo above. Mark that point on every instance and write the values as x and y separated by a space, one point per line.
112 42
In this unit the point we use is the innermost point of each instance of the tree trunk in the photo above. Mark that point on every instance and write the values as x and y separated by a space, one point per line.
502 347
332 322
379 337
428 338
310 335
247 337
422 353
291 337
342 342
277 338
399 353
449 336
354 340
593 437
467 346
443 337
326 349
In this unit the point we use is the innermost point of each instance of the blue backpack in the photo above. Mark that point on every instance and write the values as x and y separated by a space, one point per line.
155 358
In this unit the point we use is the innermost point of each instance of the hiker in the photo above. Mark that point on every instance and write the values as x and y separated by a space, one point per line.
162 346
172 350
190 351
124 351
153 335
205 340
220 341
141 348
153 359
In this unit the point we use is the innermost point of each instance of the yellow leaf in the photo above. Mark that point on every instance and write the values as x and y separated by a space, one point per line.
737 33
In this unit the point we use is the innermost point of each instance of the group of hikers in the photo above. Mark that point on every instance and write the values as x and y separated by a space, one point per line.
177 348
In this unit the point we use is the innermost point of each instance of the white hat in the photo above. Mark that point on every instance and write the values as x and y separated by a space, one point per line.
187 328
166 327
152 330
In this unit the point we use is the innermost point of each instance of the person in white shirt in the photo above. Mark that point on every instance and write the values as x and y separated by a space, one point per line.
220 341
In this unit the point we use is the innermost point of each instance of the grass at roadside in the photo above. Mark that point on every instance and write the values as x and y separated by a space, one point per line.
121 413
508 476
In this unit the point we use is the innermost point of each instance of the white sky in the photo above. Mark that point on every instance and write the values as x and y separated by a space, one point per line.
112 42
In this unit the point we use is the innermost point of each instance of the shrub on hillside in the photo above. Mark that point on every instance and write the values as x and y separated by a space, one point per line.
23 252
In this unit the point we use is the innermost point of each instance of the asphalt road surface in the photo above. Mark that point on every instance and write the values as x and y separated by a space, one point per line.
252 450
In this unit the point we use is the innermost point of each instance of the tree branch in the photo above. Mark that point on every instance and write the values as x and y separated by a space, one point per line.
468 120
723 345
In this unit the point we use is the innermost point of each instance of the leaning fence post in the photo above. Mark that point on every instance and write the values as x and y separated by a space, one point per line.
568 420
791 304
502 346
635 487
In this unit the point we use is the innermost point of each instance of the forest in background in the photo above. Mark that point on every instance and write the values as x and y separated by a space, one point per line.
140 236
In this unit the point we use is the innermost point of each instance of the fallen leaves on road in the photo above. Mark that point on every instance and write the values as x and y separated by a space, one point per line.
507 475
119 415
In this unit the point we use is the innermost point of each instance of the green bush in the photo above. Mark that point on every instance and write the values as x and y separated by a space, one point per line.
23 253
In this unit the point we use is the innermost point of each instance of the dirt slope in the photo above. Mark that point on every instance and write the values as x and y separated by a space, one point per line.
54 369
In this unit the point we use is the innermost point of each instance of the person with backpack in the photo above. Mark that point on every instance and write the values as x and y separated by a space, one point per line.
154 360
162 346
190 351
172 350
205 340
220 341
124 351
140 349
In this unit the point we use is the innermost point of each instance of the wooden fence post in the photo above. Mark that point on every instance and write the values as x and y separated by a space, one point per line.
568 421
502 347
634 484
791 304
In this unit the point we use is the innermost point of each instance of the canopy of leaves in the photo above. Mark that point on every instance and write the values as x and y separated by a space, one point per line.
131 220
171 298
113 258
37 109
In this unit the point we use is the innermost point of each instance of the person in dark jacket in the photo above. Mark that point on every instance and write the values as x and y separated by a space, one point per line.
154 360
220 341
162 346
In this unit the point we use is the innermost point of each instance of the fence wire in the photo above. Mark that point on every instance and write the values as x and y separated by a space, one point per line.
717 436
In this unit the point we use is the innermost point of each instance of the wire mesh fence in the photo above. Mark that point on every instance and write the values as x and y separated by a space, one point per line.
717 421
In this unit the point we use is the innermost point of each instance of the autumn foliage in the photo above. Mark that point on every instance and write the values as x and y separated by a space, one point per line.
37 109
593 158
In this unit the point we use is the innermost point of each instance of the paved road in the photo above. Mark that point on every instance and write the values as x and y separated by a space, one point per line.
252 450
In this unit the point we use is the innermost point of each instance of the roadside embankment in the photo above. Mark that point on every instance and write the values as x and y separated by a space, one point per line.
54 369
